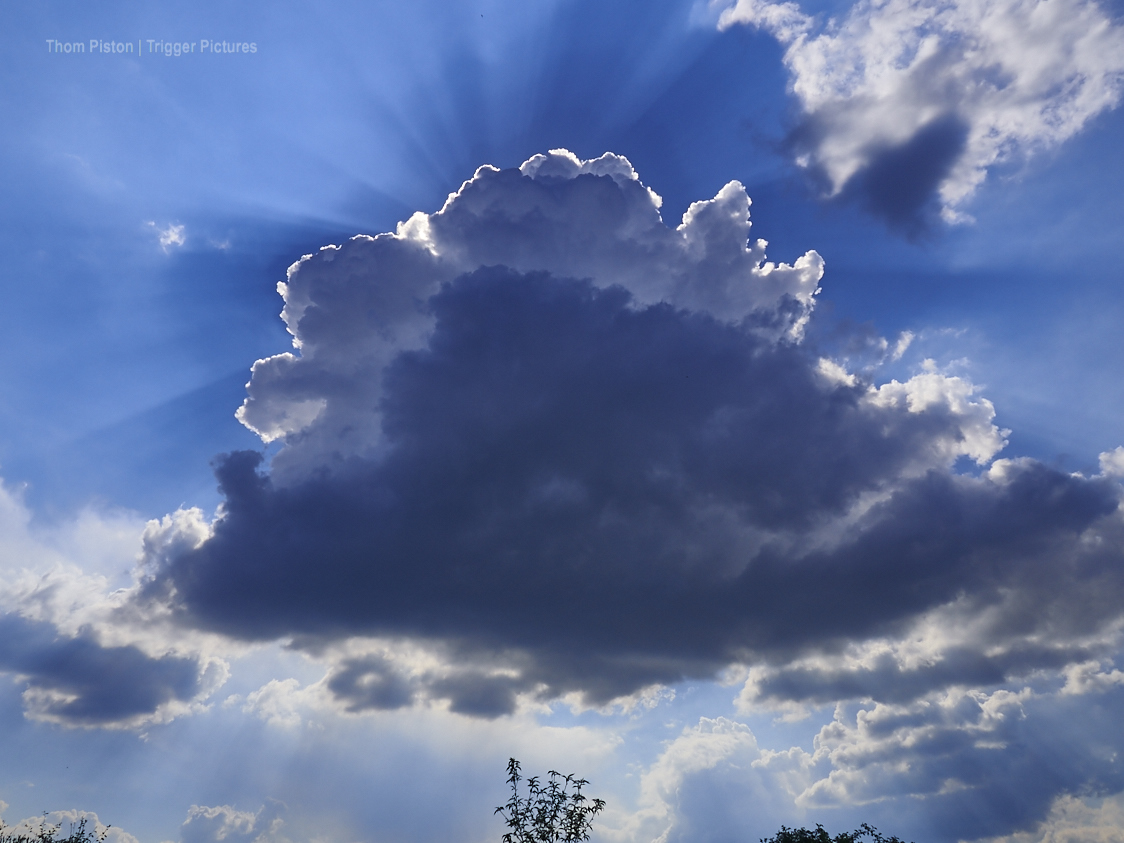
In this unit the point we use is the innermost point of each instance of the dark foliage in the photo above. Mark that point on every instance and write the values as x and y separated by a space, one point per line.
47 833
552 812
865 832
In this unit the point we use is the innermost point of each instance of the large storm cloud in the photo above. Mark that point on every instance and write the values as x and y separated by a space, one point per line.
563 448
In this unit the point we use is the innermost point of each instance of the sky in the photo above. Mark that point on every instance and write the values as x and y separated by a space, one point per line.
716 401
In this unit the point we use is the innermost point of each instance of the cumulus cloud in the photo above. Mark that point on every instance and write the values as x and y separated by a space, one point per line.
64 638
575 219
563 449
226 824
974 763
908 103
959 764
64 821
1076 820
713 782
1112 462
278 702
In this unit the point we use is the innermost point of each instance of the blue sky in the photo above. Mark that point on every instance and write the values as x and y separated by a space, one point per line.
553 462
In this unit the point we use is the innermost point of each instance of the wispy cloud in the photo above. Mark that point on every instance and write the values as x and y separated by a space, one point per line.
170 235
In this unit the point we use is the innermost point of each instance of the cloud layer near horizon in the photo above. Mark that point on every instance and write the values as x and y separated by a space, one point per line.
568 449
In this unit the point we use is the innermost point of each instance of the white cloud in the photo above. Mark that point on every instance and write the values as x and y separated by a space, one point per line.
278 702
974 435
1008 77
905 339
1090 677
1112 462
682 792
171 235
1076 820
226 824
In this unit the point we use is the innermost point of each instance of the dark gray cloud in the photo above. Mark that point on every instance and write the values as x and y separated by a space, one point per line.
886 679
900 183
371 682
374 682
625 495
78 682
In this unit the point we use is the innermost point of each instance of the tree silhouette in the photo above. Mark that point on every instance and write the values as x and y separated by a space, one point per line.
555 811
47 833
819 835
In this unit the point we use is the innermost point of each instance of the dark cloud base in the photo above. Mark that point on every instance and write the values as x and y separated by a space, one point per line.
900 183
604 497
88 684
897 184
